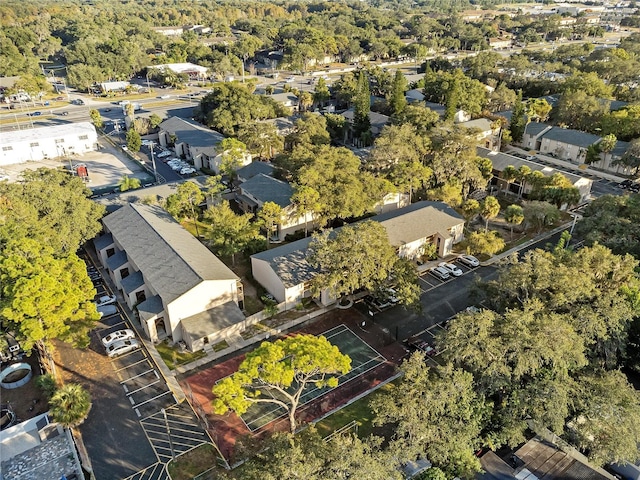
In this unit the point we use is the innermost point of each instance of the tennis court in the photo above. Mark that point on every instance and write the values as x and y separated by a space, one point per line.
363 359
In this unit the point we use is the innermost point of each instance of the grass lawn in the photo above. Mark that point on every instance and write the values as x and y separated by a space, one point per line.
193 463
171 355
358 411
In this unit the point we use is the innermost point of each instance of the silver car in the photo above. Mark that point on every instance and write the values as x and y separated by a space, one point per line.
440 272
122 346
117 336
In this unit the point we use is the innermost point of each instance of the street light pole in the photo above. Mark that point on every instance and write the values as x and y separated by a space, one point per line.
153 162
166 423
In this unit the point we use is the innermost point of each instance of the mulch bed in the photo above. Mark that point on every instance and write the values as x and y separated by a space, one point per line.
226 429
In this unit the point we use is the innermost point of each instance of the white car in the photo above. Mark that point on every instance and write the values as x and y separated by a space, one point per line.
187 171
117 336
105 300
164 97
440 272
166 153
451 268
469 260
122 346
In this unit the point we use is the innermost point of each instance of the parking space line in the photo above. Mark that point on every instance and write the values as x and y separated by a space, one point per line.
150 400
123 323
143 387
139 375
133 364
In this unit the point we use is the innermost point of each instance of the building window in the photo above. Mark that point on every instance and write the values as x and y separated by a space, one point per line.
124 272
140 296
111 252
34 144
6 149
83 137
59 141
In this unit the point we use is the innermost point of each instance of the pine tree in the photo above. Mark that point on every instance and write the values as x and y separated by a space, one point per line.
361 122
398 101
518 120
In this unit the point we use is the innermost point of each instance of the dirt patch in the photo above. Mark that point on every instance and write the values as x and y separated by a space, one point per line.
27 401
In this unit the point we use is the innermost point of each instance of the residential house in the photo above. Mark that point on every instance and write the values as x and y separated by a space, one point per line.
20 146
194 142
539 459
286 99
377 120
178 288
260 189
285 273
609 160
532 133
254 168
460 116
567 144
500 161
284 125
486 134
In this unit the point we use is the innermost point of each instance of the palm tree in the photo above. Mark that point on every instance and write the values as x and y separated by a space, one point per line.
509 175
70 405
514 215
128 183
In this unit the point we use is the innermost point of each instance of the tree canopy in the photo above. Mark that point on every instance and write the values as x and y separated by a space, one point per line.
284 369
359 256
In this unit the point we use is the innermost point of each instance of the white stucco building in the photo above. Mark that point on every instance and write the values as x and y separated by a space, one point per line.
285 273
34 144
178 287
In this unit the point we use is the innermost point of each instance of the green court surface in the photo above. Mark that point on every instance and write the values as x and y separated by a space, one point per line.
363 359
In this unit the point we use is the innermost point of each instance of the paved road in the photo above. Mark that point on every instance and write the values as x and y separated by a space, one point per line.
440 300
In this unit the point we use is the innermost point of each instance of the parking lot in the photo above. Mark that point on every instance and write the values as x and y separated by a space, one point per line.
428 280
135 425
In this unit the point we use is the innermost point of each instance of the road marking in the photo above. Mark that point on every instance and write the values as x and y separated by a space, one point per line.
139 375
142 388
150 400
132 365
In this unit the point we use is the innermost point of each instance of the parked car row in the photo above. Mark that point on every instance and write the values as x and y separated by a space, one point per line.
181 166
421 345
446 270
120 342
630 185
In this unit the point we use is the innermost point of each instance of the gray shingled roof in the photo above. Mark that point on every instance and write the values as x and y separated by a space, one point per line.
289 262
103 241
535 128
268 189
501 161
255 168
405 225
571 137
194 134
213 320
132 282
436 107
620 149
415 95
418 220
150 307
171 259
377 120
116 261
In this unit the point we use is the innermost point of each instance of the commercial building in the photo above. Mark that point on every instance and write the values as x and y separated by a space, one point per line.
34 144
